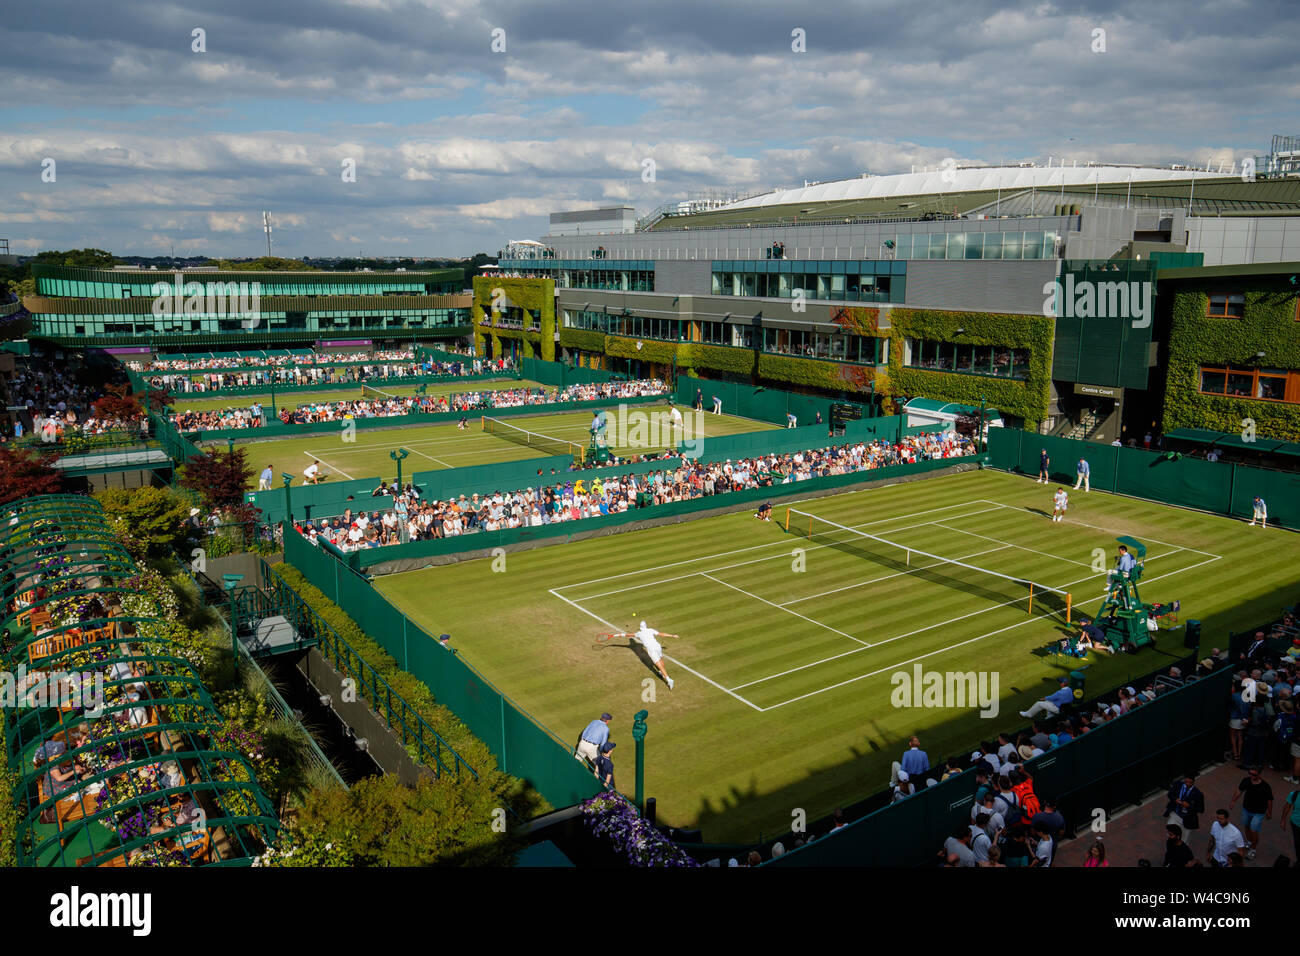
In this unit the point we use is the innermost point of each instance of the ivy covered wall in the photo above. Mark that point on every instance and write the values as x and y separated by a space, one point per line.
531 295
1268 325
1027 398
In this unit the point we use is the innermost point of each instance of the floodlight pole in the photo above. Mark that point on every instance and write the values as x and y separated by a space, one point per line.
639 730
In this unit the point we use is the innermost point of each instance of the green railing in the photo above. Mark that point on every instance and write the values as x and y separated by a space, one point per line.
77 444
380 382
434 752
281 430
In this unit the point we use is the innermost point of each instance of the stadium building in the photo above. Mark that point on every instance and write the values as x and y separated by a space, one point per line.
1098 301
211 309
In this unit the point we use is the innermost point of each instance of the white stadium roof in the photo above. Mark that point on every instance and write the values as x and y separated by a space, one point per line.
938 181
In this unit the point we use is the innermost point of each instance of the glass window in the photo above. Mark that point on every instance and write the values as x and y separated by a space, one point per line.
1271 386
946 356
992 245
1011 244
982 361
1241 384
974 245
1227 306
938 245
1213 380
957 246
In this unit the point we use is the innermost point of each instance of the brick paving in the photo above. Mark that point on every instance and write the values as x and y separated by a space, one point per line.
1139 832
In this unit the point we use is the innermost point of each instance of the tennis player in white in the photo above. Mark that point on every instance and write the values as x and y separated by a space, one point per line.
1061 501
648 638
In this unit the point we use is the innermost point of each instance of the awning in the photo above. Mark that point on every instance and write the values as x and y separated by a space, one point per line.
935 406
1213 439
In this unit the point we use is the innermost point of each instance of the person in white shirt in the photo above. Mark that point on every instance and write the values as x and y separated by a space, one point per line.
1060 502
311 474
1225 838
648 637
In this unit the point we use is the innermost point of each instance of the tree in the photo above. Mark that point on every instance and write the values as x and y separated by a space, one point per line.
265 264
78 258
219 478
380 822
157 399
23 475
22 287
117 405
153 516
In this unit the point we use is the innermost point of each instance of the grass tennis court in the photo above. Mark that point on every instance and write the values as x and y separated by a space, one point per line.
783 676
199 402
441 446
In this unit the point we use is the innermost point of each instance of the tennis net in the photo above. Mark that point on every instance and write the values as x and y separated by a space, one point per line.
371 394
542 443
994 586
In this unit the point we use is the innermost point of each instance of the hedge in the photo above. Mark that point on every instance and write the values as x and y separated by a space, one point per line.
416 693
1268 325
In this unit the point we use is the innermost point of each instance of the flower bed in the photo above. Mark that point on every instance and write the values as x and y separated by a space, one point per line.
612 817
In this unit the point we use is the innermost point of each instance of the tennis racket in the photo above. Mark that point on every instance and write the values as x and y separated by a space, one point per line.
604 640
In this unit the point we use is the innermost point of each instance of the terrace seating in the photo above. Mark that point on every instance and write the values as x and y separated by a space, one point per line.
44 647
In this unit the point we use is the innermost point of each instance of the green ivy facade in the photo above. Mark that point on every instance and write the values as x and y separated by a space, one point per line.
1268 325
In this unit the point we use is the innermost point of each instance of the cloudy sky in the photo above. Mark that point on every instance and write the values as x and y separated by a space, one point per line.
459 147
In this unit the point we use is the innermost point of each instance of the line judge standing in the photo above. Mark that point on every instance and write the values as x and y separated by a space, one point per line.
1082 472
594 736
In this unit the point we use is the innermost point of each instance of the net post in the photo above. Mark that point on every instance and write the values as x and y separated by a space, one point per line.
1031 597
787 520
482 423
1069 601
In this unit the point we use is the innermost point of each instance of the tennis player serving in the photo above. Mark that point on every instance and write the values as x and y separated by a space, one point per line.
648 638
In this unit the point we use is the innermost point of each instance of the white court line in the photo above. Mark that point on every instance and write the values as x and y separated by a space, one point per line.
759 547
674 660
1084 524
1021 547
430 457
951 647
725 567
896 574
780 608
326 461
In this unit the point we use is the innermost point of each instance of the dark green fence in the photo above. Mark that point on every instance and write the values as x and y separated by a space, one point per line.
747 401
558 375
1110 767
522 746
280 430
1220 487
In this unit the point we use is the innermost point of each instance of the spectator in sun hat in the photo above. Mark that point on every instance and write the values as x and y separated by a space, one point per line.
905 787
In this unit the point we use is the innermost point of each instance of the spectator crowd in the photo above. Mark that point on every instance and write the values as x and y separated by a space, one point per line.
252 416
407 516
